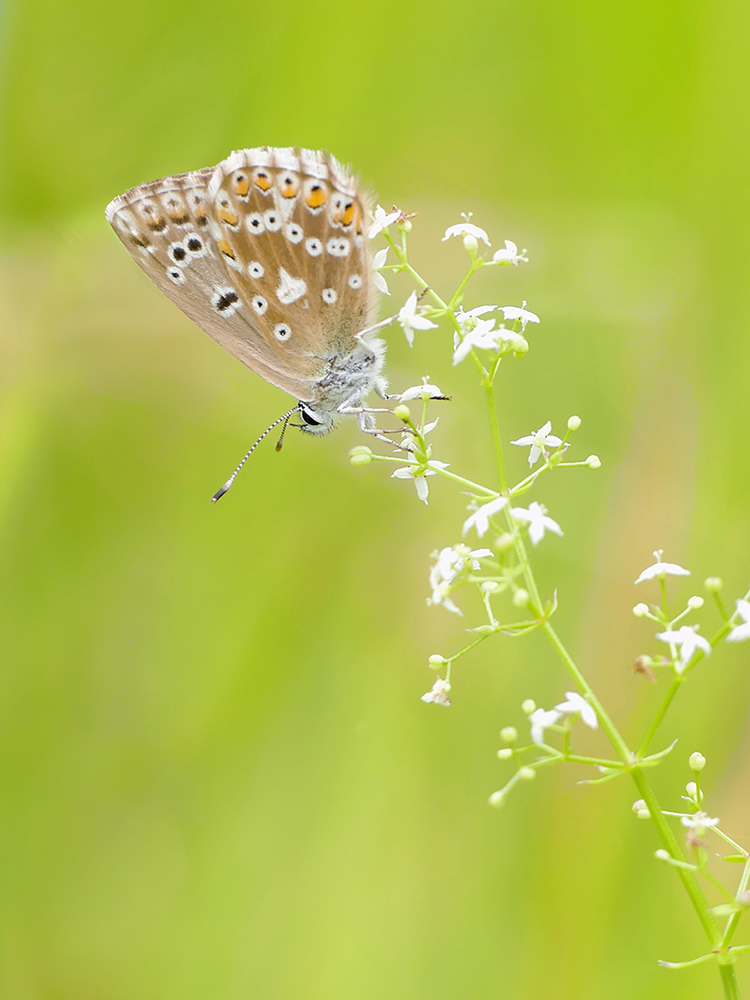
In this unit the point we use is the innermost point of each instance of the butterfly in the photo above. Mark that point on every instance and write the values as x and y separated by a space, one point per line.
267 254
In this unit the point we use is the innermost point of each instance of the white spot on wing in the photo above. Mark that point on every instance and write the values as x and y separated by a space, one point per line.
329 296
290 289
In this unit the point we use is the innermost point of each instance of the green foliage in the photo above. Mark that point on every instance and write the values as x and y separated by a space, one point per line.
217 777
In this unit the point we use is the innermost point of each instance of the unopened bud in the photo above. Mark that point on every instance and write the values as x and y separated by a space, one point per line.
504 754
361 455
594 462
528 706
504 542
662 855
489 585
695 602
509 734
436 661
691 788
497 799
526 773
640 610
520 347
697 761
404 227
574 423
714 584
521 598
402 412
470 244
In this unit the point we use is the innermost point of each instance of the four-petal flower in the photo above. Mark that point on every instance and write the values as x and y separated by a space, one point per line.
687 640
539 441
537 520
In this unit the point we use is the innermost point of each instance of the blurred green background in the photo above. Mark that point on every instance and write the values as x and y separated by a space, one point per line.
218 779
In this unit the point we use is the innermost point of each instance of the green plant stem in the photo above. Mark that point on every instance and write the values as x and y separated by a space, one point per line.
729 982
674 687
664 831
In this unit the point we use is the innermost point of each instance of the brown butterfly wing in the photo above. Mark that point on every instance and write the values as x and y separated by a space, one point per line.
292 236
168 228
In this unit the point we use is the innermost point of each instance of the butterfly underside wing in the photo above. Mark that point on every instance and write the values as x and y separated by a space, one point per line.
267 253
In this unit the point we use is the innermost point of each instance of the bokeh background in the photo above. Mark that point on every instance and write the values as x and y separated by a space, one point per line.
218 779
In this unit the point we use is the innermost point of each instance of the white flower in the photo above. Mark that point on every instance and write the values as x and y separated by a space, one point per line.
576 703
538 522
539 441
480 519
466 319
378 279
438 693
411 320
420 391
516 312
686 638
381 221
661 568
448 564
541 720
741 632
418 472
699 821
466 229
510 254
483 337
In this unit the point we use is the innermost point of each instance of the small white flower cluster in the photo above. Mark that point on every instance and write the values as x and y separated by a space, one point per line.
449 564
575 704
481 333
685 641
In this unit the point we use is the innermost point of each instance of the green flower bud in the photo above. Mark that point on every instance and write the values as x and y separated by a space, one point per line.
497 799
594 462
436 661
504 754
489 585
526 773
404 227
504 542
403 412
691 788
662 855
574 423
640 610
509 734
528 706
697 761
521 598
520 347
555 458
714 584
470 244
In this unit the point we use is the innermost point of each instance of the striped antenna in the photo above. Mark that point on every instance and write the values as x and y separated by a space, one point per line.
220 493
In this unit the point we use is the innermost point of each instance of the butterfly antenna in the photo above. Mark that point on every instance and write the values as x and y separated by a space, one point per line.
220 493
280 442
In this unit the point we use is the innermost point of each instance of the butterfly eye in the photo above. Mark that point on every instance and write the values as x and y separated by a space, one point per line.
308 417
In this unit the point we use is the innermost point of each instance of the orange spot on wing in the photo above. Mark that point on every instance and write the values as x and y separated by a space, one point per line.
262 180
348 215
225 248
289 188
241 185
226 215
316 196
